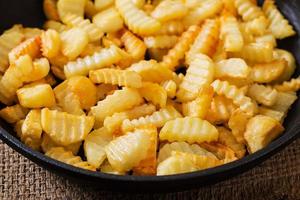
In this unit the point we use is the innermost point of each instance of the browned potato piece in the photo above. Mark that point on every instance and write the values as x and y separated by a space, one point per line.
260 131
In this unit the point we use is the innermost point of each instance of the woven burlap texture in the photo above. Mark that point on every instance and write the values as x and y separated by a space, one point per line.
278 178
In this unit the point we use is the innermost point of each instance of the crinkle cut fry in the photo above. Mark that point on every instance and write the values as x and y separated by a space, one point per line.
137 20
232 92
98 60
279 26
171 60
31 46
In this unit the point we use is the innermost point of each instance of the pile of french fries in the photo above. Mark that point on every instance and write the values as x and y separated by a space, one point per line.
148 87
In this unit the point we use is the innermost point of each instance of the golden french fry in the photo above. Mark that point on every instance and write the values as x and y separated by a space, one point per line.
229 7
255 53
29 47
48 143
139 3
232 92
268 39
84 89
114 122
147 166
8 41
90 49
260 131
205 10
199 74
280 54
93 32
279 26
161 41
278 115
220 110
36 96
124 78
171 60
228 139
152 71
51 24
170 87
108 21
60 154
134 45
169 10
15 77
237 123
75 7
73 42
32 32
158 119
13 114
257 26
201 161
231 34
188 129
175 27
268 72
154 93
262 94
32 126
136 19
176 164
248 10
53 123
126 152
220 53
289 86
205 42
103 90
41 68
108 169
224 153
284 101
94 146
167 149
129 98
98 60
232 68
200 106
67 100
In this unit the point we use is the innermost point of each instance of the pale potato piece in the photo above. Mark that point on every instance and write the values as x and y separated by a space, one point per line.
94 146
188 129
108 21
36 96
73 42
125 152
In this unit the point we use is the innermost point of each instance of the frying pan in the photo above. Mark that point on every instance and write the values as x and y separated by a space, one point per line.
30 14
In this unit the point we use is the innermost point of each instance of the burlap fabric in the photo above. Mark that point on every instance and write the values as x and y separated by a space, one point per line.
276 179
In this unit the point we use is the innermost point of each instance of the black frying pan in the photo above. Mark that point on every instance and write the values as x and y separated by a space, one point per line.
29 13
